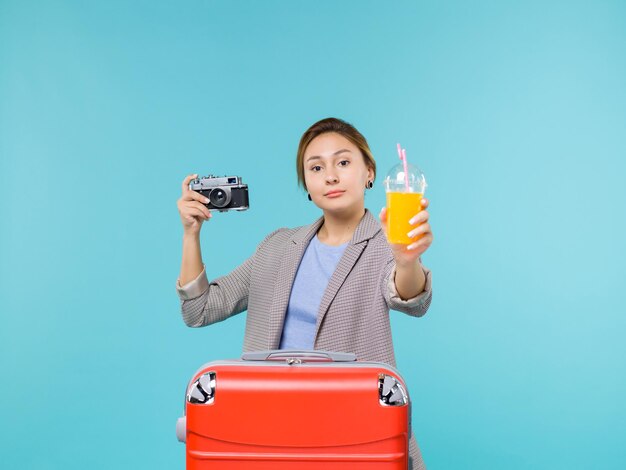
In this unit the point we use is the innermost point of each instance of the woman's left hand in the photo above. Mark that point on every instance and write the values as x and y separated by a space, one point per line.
407 254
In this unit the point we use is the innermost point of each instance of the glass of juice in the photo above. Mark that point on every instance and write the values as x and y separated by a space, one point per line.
404 196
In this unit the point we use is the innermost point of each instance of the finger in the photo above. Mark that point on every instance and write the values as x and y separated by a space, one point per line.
422 229
201 207
191 212
421 244
413 246
383 215
419 218
191 195
195 212
186 182
424 203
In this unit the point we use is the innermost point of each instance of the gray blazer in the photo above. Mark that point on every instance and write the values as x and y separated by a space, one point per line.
354 312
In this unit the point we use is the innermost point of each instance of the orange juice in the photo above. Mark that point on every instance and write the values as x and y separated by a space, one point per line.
402 207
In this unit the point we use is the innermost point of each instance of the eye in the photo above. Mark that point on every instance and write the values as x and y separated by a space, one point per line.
314 168
344 161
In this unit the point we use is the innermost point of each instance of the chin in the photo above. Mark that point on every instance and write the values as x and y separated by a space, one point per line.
344 208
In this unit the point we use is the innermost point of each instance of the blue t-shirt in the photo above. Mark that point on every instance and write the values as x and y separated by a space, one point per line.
316 267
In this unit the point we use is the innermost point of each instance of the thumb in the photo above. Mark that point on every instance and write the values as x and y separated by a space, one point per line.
383 219
383 215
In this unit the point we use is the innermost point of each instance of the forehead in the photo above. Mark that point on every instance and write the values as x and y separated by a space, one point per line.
325 145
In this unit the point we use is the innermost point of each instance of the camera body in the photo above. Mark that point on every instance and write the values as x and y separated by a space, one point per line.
225 193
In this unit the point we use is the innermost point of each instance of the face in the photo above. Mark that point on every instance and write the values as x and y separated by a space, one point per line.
335 173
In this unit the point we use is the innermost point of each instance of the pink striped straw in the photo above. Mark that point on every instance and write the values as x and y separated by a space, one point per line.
406 170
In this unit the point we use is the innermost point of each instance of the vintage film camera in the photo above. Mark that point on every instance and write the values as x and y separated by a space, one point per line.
226 193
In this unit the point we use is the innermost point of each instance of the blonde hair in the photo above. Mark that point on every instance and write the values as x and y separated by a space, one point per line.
340 127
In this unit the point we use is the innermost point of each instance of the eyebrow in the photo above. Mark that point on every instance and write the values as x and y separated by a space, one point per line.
317 157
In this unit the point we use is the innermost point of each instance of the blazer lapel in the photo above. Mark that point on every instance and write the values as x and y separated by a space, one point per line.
287 270
346 263
367 228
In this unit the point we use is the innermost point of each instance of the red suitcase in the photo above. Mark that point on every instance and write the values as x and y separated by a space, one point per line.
296 410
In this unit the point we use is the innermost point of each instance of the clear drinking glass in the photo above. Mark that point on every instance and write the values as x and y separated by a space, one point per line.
404 196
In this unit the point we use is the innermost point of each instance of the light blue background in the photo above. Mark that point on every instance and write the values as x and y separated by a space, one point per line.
516 112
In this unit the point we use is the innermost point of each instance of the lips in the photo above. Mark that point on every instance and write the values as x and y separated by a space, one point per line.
334 193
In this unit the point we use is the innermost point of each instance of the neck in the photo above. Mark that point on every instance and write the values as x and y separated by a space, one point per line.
339 228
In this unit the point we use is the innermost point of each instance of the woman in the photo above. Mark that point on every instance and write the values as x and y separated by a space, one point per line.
328 285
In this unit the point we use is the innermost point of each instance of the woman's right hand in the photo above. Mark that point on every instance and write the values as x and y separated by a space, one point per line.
192 209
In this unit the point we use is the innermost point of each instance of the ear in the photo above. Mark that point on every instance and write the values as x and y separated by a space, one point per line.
370 174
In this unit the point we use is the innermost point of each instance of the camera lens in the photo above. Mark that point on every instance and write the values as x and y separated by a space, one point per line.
218 197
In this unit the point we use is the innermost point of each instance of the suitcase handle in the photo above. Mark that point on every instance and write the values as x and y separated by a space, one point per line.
298 355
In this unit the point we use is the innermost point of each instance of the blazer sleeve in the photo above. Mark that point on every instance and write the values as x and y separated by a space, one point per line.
204 303
416 306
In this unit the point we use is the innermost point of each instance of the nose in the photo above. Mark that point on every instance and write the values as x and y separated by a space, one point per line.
331 178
